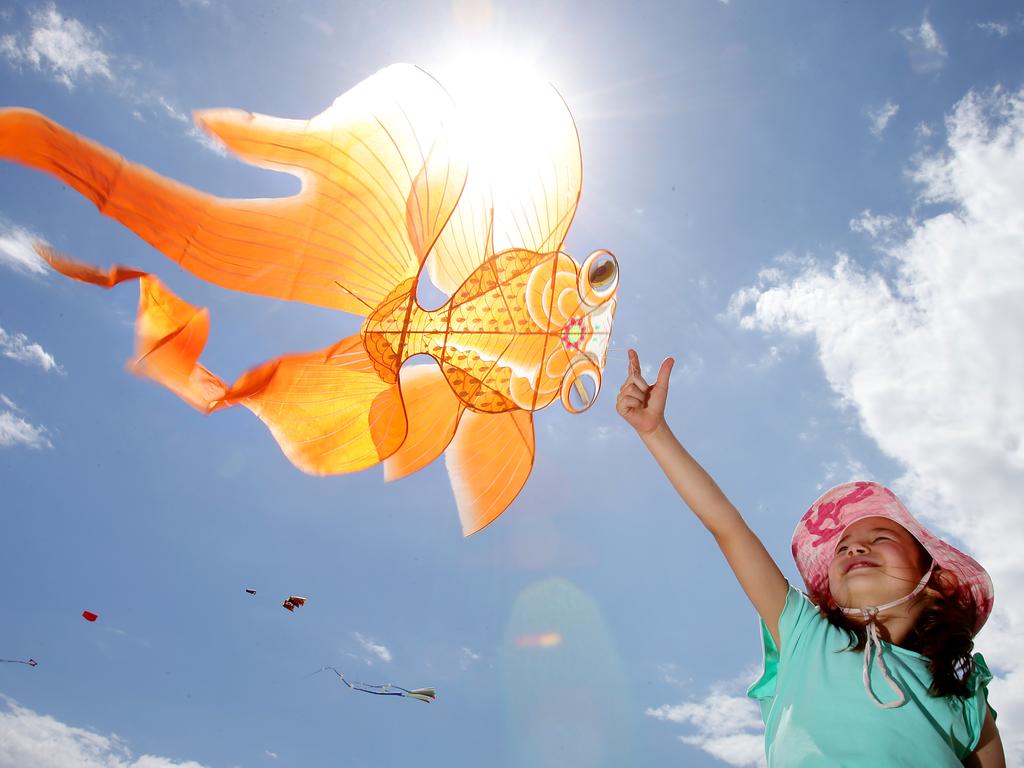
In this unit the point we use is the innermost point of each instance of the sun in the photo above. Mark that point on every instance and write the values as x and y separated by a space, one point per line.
502 101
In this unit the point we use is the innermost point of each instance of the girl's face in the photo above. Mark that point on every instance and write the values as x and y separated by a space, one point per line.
876 561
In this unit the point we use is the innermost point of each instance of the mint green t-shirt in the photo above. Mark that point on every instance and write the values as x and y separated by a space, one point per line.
817 713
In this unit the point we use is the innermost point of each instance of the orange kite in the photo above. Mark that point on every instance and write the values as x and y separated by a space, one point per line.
391 190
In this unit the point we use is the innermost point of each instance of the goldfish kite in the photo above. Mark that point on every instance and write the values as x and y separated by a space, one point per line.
426 695
394 188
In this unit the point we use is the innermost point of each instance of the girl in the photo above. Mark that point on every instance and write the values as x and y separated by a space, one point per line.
874 666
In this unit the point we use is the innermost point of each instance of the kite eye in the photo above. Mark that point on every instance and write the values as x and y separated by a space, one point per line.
599 277
580 385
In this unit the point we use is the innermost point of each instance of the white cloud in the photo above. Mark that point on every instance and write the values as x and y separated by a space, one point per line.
378 650
467 658
16 250
315 21
29 738
879 117
205 140
728 725
64 47
18 347
874 225
846 471
930 358
14 430
994 28
70 52
687 368
927 53
771 357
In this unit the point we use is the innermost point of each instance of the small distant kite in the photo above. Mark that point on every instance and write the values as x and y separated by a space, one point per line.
426 695
27 662
250 591
292 602
89 616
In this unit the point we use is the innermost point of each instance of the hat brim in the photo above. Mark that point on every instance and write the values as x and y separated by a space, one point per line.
818 532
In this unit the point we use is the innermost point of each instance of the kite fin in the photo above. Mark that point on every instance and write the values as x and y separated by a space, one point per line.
170 333
277 143
488 461
380 178
433 411
329 410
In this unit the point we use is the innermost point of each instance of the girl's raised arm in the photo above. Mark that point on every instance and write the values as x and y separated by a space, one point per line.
642 405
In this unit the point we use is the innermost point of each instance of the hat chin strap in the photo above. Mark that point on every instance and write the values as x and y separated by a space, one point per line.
874 642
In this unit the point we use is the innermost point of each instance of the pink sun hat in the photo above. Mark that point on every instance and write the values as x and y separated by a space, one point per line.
818 532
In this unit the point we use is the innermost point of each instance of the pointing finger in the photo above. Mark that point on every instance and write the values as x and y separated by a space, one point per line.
634 362
665 372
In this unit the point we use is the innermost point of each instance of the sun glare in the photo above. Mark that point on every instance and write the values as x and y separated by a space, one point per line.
503 101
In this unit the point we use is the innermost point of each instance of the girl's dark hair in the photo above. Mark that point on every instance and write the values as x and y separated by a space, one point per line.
942 633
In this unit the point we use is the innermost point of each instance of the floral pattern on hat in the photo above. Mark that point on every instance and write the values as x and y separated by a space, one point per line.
844 505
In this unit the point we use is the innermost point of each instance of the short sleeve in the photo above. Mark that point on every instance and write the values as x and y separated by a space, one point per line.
977 706
795 613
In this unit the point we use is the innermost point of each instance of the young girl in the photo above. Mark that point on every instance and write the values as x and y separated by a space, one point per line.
874 666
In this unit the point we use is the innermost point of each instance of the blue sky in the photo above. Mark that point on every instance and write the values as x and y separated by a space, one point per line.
815 207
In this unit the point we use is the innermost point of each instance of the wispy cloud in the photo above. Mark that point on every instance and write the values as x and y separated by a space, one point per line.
18 347
15 430
929 357
70 52
205 140
317 23
881 230
727 724
879 117
927 52
29 738
467 658
845 471
60 46
376 649
16 250
994 28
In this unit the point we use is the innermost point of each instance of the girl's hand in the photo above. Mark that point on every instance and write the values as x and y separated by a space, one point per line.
642 405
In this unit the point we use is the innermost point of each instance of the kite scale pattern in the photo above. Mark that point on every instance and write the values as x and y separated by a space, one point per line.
392 193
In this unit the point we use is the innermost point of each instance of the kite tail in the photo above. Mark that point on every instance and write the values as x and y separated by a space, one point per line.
170 334
107 179
329 410
378 185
